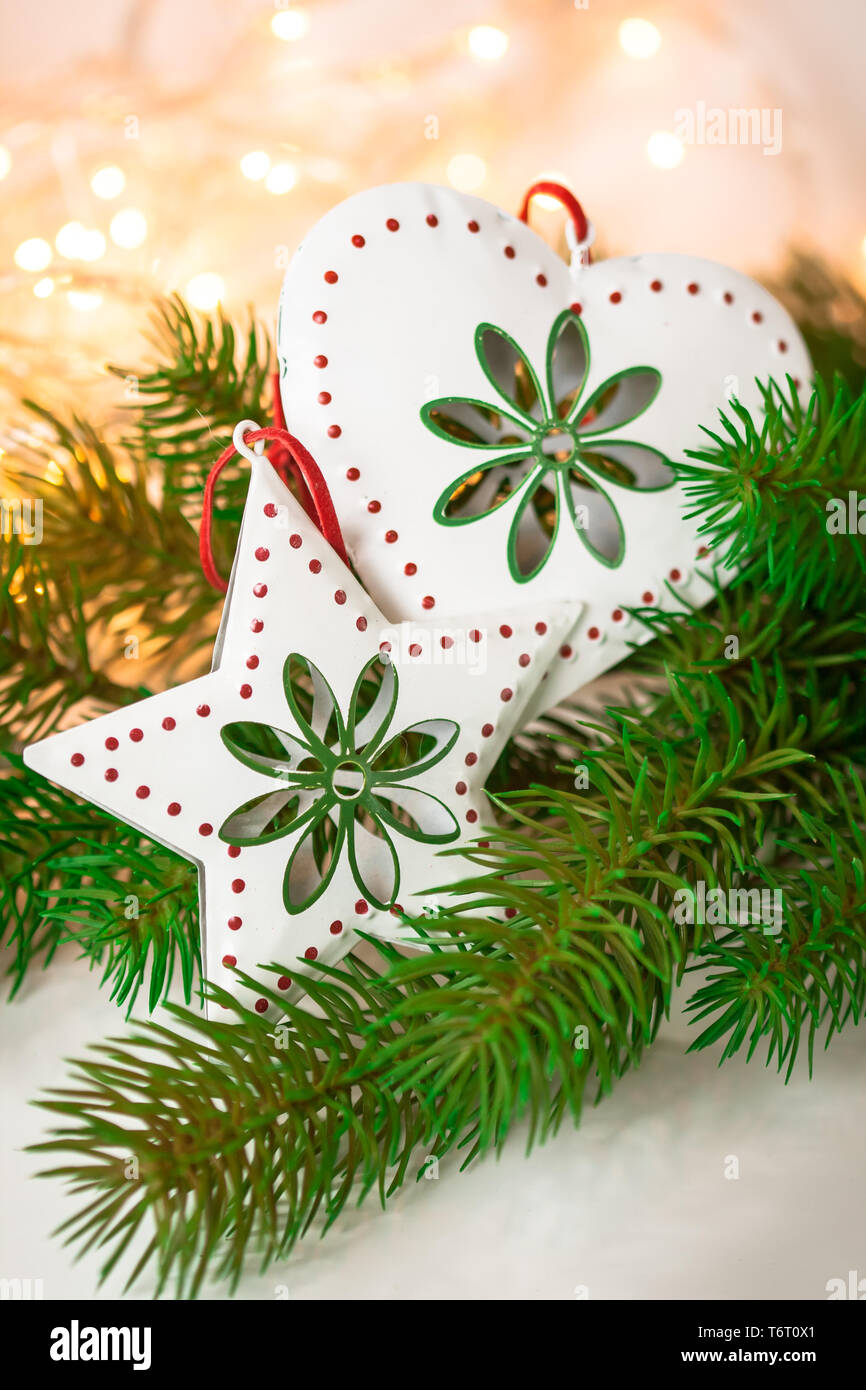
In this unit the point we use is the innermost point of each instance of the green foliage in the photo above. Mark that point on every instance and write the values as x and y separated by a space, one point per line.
736 768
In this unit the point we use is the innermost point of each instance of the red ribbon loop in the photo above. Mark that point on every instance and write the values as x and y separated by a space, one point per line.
562 195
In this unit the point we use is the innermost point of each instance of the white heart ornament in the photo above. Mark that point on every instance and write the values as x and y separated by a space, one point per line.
497 427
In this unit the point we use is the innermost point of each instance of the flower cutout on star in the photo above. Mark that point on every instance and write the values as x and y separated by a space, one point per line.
552 449
345 783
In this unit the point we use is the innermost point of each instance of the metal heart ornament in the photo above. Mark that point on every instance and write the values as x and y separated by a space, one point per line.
496 425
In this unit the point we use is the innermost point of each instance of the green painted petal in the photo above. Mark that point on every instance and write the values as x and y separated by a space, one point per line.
372 856
606 520
273 752
313 859
416 814
372 705
567 364
510 372
486 487
474 424
268 817
312 702
624 463
520 569
409 753
617 401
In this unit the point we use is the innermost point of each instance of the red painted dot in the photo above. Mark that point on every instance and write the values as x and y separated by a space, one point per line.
270 509
238 885
136 735
505 630
472 817
142 793
506 694
331 277
593 633
235 923
77 759
284 982
541 628
703 550
311 953
675 575
460 788
782 345
432 220
111 744
483 844
324 398
541 280
245 692
524 659
415 649
577 309
486 730
320 360
205 828
361 907
230 961
565 652
374 506
353 474
728 297
340 596
392 224
446 643
262 552
111 774
335 928
615 297
295 541
757 317
509 252
334 431
617 615
358 240
693 287
647 596
260 590
473 226
261 1006
320 316
315 566
256 625
428 601
233 851
174 808
390 537
384 646
475 635
471 759
410 569
511 912
655 286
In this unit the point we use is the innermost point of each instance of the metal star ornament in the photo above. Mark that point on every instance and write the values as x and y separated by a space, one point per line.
316 773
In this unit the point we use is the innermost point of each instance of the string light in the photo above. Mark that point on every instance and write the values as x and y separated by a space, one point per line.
108 182
128 228
281 179
255 165
33 254
665 150
84 300
639 38
205 291
5 161
290 24
78 243
466 172
487 43
43 288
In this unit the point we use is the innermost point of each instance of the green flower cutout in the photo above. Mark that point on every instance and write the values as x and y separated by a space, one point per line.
344 783
551 449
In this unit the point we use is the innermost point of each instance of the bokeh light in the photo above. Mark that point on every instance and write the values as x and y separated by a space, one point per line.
108 182
639 38
206 290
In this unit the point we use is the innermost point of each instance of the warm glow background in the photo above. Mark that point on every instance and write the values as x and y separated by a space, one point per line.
249 120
